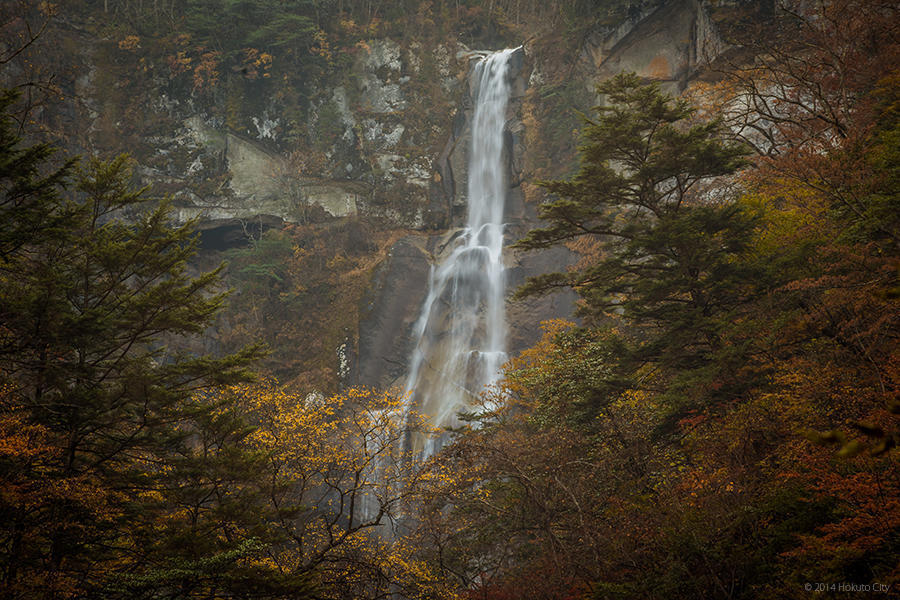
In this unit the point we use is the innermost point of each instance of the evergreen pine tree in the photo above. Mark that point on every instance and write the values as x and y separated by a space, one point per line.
100 419
31 205
667 266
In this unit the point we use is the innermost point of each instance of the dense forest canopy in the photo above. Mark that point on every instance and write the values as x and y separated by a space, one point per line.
722 421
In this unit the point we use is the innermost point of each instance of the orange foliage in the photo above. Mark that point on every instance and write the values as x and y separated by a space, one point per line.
255 64
130 42
206 73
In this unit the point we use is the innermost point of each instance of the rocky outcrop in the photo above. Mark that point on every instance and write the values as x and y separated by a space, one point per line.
254 180
366 148
668 42
391 144
397 294
388 138
383 127
391 308
664 41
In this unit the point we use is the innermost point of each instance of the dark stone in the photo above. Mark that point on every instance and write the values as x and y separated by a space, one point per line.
516 62
224 234
390 310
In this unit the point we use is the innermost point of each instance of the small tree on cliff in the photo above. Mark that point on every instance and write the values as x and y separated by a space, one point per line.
663 254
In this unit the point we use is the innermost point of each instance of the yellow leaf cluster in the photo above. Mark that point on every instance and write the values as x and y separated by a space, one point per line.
131 42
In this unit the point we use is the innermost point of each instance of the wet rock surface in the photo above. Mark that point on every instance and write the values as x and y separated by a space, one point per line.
391 308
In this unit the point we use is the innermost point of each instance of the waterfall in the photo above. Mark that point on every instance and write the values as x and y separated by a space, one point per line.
461 332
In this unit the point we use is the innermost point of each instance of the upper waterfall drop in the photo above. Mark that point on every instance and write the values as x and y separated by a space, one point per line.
461 331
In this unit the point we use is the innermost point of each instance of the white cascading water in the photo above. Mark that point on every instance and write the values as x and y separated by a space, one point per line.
461 331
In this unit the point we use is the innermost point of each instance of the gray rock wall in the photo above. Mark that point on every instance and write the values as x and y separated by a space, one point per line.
397 294
670 42
394 132
664 41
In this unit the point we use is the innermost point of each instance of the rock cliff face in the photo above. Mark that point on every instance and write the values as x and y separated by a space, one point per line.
391 130
388 141
384 342
668 42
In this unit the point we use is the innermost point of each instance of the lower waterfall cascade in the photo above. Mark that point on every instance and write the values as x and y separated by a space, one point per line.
460 335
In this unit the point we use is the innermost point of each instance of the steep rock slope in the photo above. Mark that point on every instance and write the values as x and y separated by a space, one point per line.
378 131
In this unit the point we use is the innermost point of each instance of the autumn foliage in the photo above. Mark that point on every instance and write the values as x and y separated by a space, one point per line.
725 424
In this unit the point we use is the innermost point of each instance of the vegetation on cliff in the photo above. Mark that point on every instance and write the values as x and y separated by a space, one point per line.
130 470
723 423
